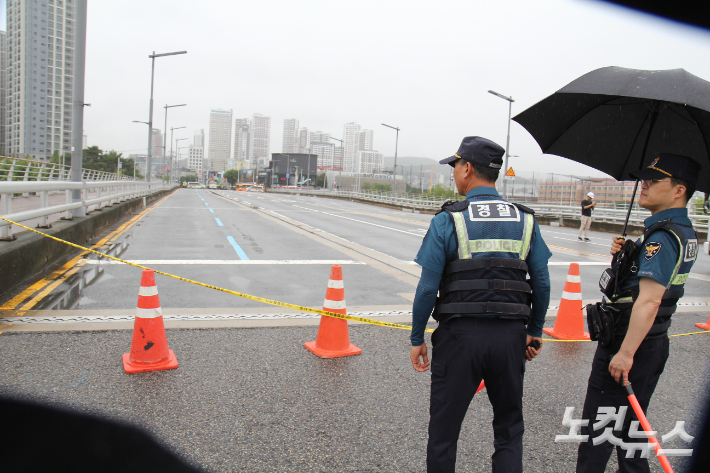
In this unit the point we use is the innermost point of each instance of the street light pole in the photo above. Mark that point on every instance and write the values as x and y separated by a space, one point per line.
394 173
150 112
507 143
171 142
342 148
177 150
165 137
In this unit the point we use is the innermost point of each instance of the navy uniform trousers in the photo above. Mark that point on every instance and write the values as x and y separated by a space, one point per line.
465 351
604 391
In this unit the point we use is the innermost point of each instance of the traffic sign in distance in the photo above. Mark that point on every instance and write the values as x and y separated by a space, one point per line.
510 175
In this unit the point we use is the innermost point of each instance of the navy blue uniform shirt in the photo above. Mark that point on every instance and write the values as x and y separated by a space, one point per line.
440 242
659 253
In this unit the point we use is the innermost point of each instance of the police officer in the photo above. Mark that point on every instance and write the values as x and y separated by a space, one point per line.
642 308
477 254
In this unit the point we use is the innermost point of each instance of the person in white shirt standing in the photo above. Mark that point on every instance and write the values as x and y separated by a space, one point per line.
587 205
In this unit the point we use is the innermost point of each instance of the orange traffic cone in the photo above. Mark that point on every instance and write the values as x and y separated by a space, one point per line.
704 326
149 347
569 324
480 386
333 339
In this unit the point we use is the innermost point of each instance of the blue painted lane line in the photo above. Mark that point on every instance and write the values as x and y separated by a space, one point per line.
237 248
219 222
211 210
206 203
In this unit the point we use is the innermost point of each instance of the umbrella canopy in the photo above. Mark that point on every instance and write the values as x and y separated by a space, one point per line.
618 120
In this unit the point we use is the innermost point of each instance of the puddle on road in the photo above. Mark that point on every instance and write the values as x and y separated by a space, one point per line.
69 294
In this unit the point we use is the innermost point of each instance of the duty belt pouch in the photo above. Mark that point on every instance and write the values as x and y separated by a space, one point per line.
600 322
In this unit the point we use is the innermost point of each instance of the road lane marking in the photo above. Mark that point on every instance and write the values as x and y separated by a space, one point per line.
219 222
62 273
211 210
154 262
237 248
360 221
206 203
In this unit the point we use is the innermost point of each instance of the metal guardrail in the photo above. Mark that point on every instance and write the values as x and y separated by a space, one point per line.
428 202
17 169
105 193
414 201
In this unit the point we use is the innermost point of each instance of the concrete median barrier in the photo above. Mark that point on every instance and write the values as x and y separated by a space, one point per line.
31 254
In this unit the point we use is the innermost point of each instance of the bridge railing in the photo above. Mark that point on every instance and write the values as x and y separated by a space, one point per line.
95 195
429 202
17 169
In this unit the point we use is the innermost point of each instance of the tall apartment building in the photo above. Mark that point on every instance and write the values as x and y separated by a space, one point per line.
291 136
370 162
156 148
351 142
243 140
261 132
199 139
304 139
196 153
365 142
39 73
3 117
220 138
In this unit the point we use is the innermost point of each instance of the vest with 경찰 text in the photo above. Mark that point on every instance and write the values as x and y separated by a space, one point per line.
487 277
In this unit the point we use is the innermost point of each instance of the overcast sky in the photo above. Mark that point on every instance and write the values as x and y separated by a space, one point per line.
423 66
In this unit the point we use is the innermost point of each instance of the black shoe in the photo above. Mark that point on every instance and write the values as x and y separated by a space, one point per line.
580 238
587 239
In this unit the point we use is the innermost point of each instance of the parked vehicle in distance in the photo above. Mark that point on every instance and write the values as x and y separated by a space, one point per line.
257 188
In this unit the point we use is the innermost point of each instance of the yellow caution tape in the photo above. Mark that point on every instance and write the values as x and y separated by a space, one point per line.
270 301
228 291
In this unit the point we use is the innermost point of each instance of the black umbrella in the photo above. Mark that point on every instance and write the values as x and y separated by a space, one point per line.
618 120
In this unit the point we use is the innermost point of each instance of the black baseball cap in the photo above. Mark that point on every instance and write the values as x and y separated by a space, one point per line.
478 150
670 165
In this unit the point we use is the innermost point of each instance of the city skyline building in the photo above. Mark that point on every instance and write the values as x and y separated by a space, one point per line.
38 77
196 153
219 139
261 147
291 136
351 143
156 148
199 138
243 139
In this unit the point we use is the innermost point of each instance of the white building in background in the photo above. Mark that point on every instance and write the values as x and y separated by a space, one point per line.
39 77
219 139
157 143
365 140
242 139
199 138
351 143
196 153
261 133
291 134
370 162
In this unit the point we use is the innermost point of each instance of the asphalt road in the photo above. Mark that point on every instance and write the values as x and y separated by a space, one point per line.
194 229
256 400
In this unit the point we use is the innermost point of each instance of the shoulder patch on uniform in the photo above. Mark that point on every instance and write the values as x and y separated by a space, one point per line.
459 206
651 249
691 251
527 210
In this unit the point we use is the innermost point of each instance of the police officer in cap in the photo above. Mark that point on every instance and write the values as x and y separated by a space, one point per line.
641 303
477 255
